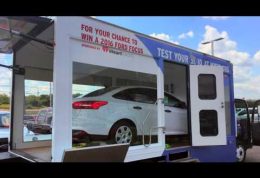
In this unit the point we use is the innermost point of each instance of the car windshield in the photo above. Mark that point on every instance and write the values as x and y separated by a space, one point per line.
100 92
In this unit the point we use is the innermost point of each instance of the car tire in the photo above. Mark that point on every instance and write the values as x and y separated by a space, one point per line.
123 132
240 153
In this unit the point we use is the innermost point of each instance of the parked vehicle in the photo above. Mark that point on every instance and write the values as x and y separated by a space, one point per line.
121 112
247 128
42 123
242 114
29 119
44 116
5 118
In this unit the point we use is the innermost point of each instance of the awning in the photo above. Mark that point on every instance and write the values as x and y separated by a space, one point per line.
31 26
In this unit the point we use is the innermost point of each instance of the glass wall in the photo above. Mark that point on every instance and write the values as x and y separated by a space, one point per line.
116 106
175 105
37 111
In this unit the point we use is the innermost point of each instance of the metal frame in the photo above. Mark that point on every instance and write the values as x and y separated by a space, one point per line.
41 25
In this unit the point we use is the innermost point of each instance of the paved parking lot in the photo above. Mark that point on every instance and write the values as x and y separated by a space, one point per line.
4 132
253 155
28 136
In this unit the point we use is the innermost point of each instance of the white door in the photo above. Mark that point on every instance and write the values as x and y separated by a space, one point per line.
208 123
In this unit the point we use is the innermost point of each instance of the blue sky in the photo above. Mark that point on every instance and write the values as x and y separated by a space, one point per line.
241 44
5 74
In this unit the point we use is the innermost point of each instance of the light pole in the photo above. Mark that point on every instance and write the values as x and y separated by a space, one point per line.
212 44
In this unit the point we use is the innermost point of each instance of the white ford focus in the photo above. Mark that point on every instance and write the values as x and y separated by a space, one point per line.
123 113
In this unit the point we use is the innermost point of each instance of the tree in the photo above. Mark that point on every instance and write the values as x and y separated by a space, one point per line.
32 100
44 100
4 99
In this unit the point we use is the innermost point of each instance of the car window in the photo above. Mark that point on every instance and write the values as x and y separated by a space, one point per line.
123 95
143 95
42 114
49 114
243 112
238 109
172 101
251 111
100 92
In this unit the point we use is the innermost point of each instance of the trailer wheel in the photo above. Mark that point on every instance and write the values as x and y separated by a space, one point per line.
241 153
123 132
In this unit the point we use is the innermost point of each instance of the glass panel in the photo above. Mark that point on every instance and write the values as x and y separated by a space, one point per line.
208 123
175 99
38 110
255 112
142 95
116 106
5 95
227 104
207 86
243 120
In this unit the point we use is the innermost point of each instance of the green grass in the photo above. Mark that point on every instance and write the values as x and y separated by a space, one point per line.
32 111
5 106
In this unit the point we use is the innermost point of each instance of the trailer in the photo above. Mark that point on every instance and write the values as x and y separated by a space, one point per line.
148 99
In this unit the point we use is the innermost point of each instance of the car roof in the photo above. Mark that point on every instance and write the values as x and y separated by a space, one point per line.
136 86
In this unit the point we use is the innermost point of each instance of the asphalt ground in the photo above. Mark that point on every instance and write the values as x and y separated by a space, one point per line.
253 154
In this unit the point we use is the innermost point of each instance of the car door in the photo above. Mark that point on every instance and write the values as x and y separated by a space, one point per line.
255 123
141 107
144 108
243 130
175 116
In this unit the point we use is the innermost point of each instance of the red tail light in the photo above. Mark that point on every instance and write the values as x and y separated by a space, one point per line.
88 104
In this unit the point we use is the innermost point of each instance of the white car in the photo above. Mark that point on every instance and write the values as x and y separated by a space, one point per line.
120 113
5 118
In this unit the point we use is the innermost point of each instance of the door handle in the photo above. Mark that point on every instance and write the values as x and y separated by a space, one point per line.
137 107
167 110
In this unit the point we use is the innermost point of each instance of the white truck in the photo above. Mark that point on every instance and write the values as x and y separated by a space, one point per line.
68 51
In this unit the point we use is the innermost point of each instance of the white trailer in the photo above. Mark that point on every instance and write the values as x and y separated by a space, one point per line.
67 51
